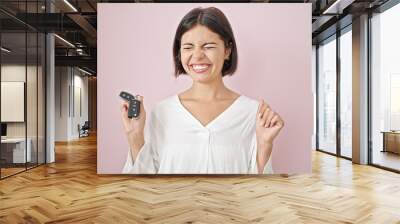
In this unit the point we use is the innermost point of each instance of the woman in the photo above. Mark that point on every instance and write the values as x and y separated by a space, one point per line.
208 128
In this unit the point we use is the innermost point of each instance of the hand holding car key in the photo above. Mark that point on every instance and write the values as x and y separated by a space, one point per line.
133 107
134 104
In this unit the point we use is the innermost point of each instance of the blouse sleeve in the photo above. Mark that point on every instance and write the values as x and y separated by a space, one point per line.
253 160
147 160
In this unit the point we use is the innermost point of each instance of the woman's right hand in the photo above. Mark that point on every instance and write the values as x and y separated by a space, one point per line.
134 128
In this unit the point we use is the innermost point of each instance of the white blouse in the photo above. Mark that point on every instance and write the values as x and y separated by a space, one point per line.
177 143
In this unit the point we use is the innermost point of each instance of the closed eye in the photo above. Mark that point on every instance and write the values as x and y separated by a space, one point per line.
187 47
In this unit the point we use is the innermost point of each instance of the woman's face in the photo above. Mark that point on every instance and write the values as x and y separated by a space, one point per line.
203 53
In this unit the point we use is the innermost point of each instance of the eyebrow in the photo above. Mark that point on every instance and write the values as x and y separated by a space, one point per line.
202 45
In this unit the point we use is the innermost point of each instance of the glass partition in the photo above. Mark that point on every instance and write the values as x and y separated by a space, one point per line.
22 77
385 89
346 93
327 96
13 103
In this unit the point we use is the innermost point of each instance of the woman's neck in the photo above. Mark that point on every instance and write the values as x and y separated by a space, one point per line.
208 91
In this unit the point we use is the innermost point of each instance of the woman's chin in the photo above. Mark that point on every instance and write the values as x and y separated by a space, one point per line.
203 78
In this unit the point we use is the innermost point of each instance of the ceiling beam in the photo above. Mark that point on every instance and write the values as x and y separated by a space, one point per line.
84 24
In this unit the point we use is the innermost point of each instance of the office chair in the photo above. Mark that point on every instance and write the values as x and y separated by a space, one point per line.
84 130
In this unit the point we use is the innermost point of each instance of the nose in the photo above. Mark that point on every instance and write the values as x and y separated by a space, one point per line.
198 53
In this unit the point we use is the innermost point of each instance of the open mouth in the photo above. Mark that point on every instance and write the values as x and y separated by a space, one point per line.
200 68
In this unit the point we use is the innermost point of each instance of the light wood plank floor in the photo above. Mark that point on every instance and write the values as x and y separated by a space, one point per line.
388 159
70 191
10 171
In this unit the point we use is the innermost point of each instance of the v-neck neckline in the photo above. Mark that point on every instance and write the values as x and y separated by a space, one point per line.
215 119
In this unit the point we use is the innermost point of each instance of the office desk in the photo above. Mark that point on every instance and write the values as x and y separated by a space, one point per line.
391 141
13 150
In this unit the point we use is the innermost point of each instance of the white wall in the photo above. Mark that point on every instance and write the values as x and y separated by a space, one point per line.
12 101
62 80
70 83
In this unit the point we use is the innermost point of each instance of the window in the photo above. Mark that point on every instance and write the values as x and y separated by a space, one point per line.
385 88
346 93
327 95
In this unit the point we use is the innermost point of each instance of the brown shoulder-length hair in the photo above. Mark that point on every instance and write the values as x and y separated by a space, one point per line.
215 20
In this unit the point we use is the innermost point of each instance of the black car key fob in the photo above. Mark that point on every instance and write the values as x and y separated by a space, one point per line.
134 104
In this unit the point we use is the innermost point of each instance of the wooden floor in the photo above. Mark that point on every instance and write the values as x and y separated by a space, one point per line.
387 159
5 172
70 191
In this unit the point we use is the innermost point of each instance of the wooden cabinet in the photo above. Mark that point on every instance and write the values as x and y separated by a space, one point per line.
391 142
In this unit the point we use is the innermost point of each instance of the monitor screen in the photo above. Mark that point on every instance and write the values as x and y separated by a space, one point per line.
3 129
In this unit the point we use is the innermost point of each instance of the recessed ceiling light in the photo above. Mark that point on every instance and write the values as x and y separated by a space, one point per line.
64 40
5 50
337 7
84 71
70 5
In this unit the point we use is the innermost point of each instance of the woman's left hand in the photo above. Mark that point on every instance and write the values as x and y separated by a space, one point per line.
268 125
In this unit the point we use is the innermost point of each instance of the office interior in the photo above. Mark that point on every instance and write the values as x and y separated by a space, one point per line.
48 82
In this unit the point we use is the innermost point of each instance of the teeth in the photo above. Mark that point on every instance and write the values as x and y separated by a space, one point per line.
200 67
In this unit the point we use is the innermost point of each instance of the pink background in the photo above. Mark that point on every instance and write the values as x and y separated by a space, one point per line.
274 46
